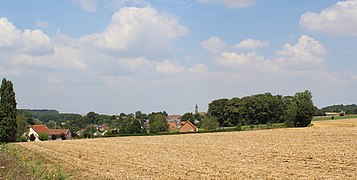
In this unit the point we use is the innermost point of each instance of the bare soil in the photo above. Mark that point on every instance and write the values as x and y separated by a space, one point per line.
327 150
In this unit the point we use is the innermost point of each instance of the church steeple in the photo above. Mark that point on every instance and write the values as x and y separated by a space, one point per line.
196 109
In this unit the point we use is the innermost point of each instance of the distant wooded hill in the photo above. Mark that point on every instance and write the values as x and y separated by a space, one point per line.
46 115
348 109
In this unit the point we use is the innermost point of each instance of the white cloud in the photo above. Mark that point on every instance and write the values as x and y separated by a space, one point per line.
231 3
168 67
244 60
139 32
41 24
61 57
87 5
32 42
340 19
8 33
307 53
251 44
198 69
214 45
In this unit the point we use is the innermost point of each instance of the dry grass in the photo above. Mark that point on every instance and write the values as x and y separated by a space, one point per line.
327 150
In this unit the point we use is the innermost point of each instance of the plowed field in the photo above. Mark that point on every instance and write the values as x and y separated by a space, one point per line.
327 150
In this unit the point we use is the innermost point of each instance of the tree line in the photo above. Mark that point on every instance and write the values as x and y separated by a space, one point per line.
295 111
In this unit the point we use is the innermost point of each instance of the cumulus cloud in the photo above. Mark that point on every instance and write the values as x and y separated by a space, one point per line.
214 45
33 42
138 31
230 3
340 19
307 53
141 64
251 44
244 60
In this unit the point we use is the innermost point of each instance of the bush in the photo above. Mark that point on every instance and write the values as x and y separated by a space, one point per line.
53 137
210 123
32 137
289 123
22 139
43 136
63 136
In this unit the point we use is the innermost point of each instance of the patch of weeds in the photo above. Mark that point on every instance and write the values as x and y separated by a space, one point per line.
18 164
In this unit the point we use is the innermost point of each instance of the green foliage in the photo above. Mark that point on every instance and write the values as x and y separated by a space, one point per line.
43 136
22 139
20 164
188 117
158 122
21 124
210 123
89 131
305 108
51 124
263 108
216 109
8 112
348 109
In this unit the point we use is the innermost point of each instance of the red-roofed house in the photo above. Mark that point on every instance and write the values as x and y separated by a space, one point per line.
36 129
188 127
172 125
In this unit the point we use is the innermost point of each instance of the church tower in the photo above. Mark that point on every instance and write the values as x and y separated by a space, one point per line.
196 109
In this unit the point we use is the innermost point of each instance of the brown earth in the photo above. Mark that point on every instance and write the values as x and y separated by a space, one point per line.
327 150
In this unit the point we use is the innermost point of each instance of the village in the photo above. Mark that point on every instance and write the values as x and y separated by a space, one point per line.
174 123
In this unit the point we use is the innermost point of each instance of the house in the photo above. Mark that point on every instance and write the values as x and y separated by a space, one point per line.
172 125
173 121
41 128
187 126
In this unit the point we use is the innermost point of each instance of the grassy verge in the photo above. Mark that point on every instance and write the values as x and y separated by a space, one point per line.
17 164
325 118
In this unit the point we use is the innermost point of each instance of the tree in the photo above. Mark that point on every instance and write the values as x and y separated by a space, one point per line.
51 124
188 117
21 124
290 109
43 136
216 107
305 108
157 122
135 126
210 123
8 123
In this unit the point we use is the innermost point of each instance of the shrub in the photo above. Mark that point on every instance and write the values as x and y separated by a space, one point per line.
53 137
23 139
63 136
32 137
210 123
43 136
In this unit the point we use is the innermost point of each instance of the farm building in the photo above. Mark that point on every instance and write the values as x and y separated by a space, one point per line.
36 129
187 126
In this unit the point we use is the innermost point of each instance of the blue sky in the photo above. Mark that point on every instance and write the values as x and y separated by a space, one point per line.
112 56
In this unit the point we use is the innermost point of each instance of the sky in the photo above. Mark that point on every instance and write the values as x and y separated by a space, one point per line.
113 56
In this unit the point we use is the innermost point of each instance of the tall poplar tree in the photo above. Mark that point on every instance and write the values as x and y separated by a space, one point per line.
8 104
